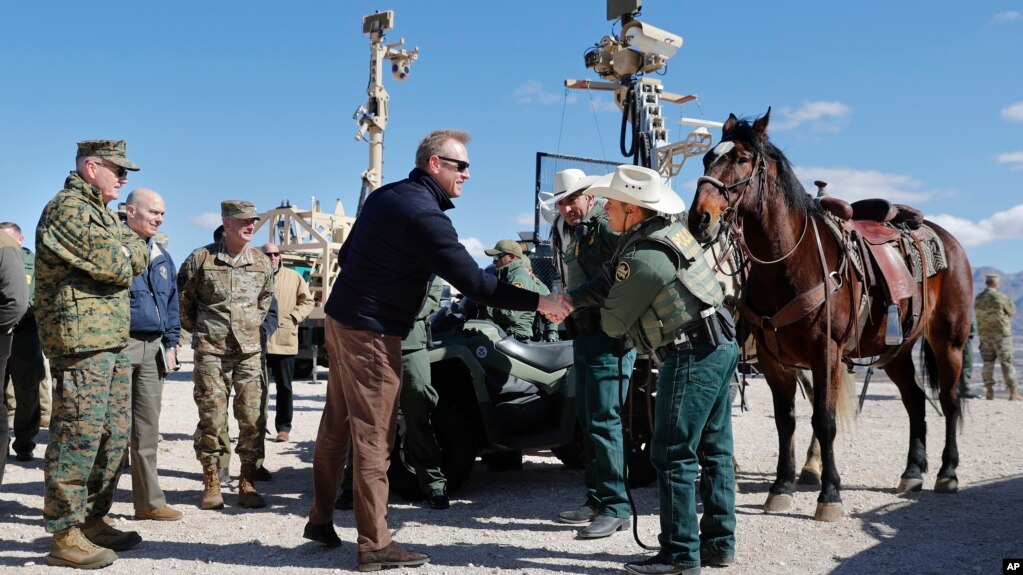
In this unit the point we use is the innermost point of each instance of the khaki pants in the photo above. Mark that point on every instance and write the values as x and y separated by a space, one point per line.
361 406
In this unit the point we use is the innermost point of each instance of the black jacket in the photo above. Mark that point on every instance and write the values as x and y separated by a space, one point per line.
400 239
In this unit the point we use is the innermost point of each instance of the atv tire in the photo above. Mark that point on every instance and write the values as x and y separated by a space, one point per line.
458 452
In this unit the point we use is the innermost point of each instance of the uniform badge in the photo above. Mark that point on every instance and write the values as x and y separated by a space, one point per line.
518 285
163 272
622 271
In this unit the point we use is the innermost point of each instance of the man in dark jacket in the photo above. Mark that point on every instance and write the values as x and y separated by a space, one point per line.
155 328
400 239
13 303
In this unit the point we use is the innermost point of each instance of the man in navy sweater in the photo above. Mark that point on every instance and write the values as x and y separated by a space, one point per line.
401 238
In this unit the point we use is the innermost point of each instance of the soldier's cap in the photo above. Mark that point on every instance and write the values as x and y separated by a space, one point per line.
238 209
566 183
112 150
992 277
506 247
639 186
122 208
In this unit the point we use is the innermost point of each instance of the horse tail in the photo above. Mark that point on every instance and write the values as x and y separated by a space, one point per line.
846 406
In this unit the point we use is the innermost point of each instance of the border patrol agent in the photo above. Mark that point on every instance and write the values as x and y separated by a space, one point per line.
513 267
583 241
661 292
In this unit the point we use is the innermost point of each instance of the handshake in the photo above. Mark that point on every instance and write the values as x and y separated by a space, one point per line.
555 307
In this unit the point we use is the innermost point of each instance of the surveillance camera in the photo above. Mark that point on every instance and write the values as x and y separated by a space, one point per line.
400 68
649 39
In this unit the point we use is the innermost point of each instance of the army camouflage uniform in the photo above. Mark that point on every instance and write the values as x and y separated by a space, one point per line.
519 324
223 302
994 311
659 290
83 314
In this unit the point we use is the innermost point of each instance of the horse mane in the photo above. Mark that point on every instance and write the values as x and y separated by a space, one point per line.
793 191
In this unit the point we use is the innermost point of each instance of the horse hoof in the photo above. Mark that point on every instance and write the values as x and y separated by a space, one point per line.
907 484
809 477
778 502
829 512
946 485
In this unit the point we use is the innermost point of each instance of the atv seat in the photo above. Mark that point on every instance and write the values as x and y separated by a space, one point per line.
548 357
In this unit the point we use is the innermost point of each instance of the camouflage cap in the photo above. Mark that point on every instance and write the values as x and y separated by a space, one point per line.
992 277
238 209
113 150
506 247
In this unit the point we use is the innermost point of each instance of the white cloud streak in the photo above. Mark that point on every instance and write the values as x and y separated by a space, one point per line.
821 116
475 247
1014 159
1013 112
533 92
525 219
206 220
1007 224
1007 16
852 185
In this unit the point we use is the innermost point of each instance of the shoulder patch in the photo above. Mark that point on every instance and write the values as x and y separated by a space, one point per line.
622 271
518 285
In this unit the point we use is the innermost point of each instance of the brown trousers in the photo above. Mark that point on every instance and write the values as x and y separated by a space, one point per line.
362 406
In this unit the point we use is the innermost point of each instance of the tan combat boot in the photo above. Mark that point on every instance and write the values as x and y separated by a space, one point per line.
248 497
70 548
1014 395
990 393
211 497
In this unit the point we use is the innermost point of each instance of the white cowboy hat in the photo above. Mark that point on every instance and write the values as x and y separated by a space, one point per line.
639 186
566 183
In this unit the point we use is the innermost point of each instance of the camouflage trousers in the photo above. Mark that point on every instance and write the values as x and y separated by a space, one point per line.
89 430
1001 350
215 376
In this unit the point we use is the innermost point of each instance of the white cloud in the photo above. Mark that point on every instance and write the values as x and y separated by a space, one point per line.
822 116
475 247
206 220
1007 16
533 92
1013 112
1015 159
852 185
1007 224
525 219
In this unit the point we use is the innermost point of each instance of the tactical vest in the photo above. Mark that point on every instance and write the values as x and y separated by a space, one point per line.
678 305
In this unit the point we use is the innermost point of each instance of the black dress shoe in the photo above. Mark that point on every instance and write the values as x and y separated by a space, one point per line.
716 558
345 500
322 534
659 565
439 500
604 526
262 474
583 514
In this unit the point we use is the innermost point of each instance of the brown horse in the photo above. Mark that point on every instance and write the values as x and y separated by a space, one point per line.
803 299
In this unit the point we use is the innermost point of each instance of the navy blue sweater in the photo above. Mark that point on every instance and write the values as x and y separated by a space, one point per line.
154 299
400 239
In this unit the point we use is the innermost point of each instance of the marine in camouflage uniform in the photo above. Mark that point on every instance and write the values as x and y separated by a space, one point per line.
225 290
663 295
994 313
513 268
85 261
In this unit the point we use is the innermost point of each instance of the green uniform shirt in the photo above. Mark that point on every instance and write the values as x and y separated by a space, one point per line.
223 299
517 323
83 273
417 338
994 310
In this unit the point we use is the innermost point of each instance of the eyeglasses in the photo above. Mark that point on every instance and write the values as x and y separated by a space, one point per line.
273 254
460 165
119 171
500 255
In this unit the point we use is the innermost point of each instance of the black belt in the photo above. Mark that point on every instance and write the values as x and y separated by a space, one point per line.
711 331
684 342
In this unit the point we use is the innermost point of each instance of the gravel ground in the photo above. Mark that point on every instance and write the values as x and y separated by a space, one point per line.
501 522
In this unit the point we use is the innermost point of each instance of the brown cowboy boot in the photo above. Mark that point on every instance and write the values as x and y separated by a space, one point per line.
248 497
211 497
70 548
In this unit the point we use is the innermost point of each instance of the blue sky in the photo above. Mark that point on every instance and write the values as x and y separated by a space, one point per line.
920 103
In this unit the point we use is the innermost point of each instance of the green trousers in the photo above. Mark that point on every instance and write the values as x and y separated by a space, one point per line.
417 400
599 387
693 434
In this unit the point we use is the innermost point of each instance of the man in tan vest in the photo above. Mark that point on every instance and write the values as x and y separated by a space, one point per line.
294 302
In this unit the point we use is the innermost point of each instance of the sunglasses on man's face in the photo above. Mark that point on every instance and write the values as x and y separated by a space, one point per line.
119 171
460 165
